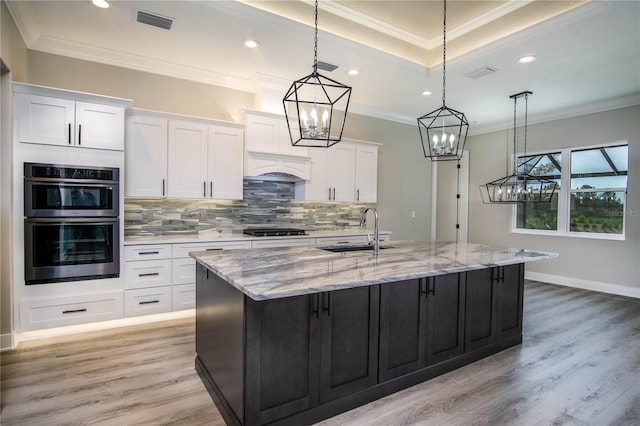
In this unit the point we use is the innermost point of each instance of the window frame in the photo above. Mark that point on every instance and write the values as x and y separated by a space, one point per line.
564 197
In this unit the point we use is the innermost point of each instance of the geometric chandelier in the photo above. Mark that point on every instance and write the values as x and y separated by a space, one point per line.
520 186
318 105
443 132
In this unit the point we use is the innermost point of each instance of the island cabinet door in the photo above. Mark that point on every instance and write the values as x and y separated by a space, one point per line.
445 296
349 341
402 328
282 357
480 308
510 297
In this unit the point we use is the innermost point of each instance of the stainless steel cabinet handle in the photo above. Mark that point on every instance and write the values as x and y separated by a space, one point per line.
142 253
204 189
334 193
213 249
329 193
69 134
149 274
74 311
146 302
357 195
79 134
163 187
211 189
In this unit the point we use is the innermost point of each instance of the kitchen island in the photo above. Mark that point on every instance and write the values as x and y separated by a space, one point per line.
296 335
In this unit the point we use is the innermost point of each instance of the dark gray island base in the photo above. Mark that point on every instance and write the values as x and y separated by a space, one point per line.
303 358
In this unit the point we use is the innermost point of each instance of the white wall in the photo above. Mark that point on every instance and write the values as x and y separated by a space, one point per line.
603 265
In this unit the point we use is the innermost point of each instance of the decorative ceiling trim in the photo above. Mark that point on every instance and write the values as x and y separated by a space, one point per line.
25 20
140 63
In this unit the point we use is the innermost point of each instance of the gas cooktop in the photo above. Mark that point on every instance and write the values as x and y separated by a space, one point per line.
273 232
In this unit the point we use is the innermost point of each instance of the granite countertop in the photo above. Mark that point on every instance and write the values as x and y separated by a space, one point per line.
212 236
284 272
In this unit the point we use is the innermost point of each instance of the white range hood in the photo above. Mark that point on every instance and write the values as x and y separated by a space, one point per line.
264 163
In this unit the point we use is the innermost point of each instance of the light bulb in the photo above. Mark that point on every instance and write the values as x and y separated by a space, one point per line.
325 117
314 116
435 140
444 137
303 118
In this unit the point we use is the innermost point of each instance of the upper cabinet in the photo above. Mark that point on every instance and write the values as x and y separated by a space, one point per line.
178 157
64 118
269 149
345 172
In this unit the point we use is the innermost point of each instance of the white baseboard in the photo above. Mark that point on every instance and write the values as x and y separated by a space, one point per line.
7 342
619 290
102 325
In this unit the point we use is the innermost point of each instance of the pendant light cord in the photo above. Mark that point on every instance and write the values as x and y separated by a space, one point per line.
444 53
315 43
515 134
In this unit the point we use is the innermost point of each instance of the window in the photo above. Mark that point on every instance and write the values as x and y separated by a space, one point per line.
591 194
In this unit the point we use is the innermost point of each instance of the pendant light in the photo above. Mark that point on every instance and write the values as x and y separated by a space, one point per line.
318 105
520 186
443 132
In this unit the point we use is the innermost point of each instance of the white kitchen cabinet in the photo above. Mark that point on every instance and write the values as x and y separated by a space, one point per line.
187 162
179 157
147 301
366 173
62 121
283 242
146 156
345 172
332 177
225 151
62 311
269 133
183 296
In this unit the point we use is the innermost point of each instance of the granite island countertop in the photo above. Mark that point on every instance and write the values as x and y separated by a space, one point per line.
274 273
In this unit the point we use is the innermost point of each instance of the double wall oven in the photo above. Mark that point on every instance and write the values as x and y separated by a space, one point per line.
72 224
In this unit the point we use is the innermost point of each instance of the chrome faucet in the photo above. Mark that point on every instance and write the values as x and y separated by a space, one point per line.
376 235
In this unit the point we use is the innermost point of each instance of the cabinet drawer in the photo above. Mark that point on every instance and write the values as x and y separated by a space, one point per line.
183 296
147 252
149 273
58 312
145 301
183 271
290 242
182 250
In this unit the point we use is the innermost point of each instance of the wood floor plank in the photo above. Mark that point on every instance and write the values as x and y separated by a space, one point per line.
579 364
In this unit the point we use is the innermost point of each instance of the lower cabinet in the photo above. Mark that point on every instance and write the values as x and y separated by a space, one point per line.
301 359
310 349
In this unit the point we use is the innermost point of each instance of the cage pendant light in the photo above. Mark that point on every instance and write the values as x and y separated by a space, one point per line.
520 186
316 106
443 132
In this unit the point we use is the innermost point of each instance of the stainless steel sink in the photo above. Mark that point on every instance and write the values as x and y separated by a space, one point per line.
340 249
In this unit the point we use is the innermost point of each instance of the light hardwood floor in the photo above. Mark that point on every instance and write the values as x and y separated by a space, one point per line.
579 364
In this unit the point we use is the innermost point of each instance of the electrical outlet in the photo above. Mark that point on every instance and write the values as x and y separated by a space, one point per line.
413 214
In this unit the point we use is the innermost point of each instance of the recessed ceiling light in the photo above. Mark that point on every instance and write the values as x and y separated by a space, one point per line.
102 4
526 59
426 92
251 43
354 71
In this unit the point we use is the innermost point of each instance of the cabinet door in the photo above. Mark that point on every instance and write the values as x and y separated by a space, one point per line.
45 120
510 297
282 358
366 174
187 159
317 188
262 134
225 160
445 317
146 157
99 126
480 311
284 139
402 328
349 341
340 171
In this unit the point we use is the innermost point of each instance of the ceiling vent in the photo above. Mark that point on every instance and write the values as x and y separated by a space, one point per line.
481 72
154 20
326 66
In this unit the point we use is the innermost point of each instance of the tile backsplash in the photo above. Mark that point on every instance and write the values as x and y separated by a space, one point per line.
266 203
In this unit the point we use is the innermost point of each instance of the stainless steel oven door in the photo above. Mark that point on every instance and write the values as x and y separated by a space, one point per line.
71 249
54 198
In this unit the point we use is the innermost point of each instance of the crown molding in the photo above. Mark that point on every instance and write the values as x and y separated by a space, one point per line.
23 16
139 63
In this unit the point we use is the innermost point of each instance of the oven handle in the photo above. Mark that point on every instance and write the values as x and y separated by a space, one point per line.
78 182
93 220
